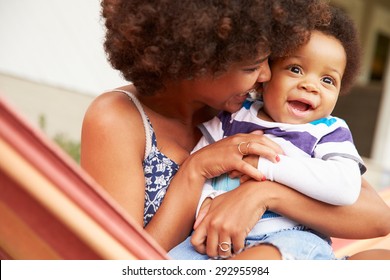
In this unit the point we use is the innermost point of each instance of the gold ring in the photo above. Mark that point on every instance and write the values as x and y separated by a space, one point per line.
247 148
224 246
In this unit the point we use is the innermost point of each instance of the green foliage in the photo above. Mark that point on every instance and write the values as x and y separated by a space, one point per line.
42 122
71 147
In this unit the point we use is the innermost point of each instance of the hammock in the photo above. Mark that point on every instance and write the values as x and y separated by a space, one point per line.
51 209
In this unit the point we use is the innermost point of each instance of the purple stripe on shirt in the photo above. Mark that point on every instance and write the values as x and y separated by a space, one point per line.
341 134
301 139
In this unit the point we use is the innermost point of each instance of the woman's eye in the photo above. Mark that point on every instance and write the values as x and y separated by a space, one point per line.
328 80
295 69
254 69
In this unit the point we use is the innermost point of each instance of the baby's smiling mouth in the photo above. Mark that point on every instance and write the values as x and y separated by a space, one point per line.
300 105
301 108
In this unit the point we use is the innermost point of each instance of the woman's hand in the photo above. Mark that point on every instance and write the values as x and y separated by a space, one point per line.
231 215
252 160
238 153
229 218
227 155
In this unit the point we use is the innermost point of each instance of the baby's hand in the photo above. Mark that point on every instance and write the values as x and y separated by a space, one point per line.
252 160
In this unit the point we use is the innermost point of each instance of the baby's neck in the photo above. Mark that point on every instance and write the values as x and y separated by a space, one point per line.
261 114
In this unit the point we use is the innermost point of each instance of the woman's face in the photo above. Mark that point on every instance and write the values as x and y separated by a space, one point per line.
228 91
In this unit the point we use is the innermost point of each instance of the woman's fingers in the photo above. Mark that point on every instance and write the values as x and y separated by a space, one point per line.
265 149
252 160
235 174
227 155
245 178
238 243
219 241
224 247
228 221
249 170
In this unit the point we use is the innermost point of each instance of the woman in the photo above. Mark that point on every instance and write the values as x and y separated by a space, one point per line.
187 60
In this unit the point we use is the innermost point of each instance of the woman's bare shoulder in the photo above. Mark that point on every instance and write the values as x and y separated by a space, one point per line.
112 108
112 122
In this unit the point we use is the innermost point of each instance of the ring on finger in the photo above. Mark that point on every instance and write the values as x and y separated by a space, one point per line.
247 148
225 246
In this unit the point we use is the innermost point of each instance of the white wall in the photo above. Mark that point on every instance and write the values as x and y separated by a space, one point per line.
62 110
55 42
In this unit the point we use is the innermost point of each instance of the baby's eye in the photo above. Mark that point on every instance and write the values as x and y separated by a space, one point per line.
295 69
328 80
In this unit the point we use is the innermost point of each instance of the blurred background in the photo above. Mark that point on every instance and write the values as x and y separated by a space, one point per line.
52 64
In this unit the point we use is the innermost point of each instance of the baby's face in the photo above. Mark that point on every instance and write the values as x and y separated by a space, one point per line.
305 86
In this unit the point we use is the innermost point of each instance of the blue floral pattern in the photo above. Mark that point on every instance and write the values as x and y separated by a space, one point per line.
159 171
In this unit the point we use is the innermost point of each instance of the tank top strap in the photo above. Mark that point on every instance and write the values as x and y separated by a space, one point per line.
145 120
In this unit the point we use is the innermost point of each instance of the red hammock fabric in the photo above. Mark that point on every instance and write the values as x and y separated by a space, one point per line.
51 209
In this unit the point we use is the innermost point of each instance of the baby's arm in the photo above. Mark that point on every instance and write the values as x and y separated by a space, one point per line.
207 192
336 180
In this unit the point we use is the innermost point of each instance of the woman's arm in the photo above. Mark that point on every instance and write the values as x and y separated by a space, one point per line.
112 152
368 217
232 215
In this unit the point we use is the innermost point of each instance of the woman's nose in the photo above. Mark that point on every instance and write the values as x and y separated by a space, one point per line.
265 73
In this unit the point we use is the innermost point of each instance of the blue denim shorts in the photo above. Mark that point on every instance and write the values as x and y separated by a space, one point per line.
297 243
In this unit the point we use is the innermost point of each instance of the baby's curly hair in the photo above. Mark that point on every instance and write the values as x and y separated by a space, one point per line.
154 41
343 28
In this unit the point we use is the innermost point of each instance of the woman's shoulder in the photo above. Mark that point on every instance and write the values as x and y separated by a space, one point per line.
111 106
113 112
113 121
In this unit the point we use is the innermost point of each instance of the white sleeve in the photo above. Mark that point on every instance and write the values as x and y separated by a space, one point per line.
213 130
336 180
207 192
202 143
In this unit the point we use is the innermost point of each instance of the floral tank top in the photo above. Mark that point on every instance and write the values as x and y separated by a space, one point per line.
159 171
158 168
